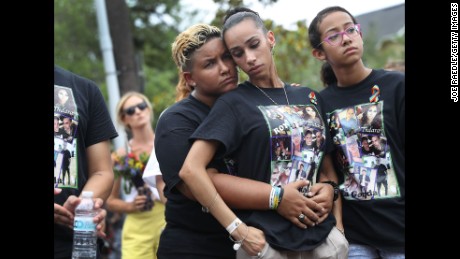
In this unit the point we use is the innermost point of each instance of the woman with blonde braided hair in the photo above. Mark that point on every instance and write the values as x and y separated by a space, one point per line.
207 70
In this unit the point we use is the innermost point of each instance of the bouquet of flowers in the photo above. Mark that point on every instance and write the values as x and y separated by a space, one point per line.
130 167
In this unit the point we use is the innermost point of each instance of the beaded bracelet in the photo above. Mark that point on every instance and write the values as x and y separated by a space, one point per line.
276 195
280 196
238 243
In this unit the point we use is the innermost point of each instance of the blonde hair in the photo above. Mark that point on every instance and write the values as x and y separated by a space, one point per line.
183 48
121 103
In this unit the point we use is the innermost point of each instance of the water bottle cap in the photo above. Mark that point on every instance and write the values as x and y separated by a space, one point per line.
87 194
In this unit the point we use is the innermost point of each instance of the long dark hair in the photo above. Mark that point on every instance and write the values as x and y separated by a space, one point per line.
238 14
314 35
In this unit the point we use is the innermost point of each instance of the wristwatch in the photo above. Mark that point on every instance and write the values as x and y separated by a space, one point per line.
336 189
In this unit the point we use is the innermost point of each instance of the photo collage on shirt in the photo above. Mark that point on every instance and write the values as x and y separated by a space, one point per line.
297 142
363 153
65 142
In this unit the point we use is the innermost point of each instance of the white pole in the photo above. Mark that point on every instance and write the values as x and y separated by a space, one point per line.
110 69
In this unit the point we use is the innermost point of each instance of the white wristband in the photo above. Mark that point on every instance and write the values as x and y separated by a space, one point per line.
234 225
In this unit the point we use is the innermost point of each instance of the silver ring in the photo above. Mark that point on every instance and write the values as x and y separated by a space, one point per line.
301 217
259 254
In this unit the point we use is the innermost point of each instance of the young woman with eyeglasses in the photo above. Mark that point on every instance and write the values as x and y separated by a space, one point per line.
143 223
374 225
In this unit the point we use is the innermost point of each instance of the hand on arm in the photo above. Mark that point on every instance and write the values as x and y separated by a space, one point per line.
243 193
294 203
322 194
194 174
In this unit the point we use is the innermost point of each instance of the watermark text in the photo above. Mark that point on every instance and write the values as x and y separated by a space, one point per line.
454 51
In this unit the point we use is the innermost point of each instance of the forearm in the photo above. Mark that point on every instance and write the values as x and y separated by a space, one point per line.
115 204
160 188
100 183
119 205
337 211
100 172
328 174
242 193
194 175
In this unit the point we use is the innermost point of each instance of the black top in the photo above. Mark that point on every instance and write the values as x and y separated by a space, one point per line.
189 232
370 218
93 125
250 127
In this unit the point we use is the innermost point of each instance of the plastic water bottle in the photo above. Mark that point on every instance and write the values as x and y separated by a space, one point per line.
85 238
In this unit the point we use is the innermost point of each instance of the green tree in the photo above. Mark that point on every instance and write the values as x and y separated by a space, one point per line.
378 52
123 46
76 43
154 25
292 51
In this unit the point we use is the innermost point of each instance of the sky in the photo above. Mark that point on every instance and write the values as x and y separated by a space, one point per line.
288 12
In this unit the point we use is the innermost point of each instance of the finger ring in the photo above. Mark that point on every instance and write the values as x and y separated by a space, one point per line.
301 217
259 254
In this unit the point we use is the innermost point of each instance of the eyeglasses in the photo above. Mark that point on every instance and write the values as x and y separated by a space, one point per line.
132 109
336 38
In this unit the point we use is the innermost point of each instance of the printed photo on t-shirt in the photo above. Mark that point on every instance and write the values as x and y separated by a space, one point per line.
297 142
363 155
281 148
65 141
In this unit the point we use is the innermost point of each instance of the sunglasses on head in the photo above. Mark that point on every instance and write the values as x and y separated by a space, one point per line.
132 109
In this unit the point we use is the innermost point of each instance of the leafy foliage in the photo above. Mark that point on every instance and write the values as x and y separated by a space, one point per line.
160 88
155 24
75 38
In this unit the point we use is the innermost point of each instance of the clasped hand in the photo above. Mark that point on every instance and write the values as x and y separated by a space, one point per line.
316 206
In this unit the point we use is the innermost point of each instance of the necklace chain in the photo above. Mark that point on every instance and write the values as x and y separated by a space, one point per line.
285 94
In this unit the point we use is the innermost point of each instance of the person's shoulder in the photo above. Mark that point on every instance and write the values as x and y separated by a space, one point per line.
237 95
325 90
62 76
392 75
60 71
392 81
69 78
302 89
185 107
